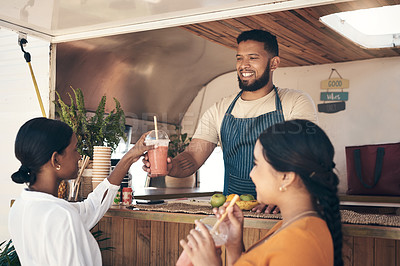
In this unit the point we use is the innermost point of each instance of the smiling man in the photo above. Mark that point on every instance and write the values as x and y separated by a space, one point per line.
237 121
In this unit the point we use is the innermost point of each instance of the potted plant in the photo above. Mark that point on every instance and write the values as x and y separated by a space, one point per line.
8 255
178 143
99 129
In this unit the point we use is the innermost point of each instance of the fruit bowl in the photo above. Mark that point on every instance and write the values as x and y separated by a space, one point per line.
217 200
246 201
247 205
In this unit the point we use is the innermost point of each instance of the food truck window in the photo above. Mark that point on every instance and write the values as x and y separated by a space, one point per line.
211 174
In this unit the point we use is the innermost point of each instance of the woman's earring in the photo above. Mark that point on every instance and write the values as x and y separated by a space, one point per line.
282 189
58 167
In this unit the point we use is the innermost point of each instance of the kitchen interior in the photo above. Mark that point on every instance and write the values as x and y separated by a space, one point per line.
177 72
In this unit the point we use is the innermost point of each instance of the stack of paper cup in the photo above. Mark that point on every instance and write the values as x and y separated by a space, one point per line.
101 164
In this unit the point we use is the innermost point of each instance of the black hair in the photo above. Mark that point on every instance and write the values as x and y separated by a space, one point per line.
35 143
302 147
269 40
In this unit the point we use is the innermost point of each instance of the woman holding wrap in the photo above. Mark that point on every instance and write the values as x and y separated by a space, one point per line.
293 169
47 230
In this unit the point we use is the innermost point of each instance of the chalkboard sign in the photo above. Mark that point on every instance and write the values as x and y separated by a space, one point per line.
331 107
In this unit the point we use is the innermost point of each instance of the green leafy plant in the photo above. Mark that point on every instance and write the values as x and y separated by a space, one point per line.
8 255
178 142
98 130
98 235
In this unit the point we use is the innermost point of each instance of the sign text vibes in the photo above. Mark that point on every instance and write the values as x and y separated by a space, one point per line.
334 96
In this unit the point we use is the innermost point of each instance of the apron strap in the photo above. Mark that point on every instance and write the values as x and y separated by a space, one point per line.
230 108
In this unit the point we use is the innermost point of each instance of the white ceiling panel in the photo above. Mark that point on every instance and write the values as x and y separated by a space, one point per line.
67 20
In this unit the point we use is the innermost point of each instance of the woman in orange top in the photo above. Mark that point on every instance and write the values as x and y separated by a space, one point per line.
293 169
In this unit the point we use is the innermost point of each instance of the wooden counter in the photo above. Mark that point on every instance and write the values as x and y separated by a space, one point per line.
152 238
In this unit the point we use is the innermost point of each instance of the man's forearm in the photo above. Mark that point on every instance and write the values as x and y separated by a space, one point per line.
183 165
189 161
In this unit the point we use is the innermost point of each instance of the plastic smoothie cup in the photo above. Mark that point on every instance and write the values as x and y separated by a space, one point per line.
158 155
220 237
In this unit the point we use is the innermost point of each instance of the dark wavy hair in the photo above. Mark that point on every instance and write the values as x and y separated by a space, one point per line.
269 40
35 143
302 147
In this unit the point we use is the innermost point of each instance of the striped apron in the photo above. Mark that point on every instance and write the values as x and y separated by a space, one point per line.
238 137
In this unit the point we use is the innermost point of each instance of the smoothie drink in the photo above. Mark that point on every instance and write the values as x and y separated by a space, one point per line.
158 161
158 155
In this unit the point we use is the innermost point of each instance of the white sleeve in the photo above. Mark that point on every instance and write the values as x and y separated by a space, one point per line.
94 207
67 241
207 128
303 107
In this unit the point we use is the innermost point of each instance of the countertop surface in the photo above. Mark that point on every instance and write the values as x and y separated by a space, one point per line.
155 193
152 193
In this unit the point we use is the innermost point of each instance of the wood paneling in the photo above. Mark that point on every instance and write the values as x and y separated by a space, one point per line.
347 254
156 242
184 230
171 243
363 251
105 226
302 38
143 237
250 235
385 252
129 254
398 252
117 240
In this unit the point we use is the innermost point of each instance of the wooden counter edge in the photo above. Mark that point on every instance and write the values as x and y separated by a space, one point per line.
385 232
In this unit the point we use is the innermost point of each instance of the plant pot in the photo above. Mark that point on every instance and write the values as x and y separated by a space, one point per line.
101 164
176 182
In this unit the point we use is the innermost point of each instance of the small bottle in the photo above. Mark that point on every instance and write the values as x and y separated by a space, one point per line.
126 196
117 199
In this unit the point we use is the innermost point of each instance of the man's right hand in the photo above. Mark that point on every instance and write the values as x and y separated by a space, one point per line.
146 164
187 162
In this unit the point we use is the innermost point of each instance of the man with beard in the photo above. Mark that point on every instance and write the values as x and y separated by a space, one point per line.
237 121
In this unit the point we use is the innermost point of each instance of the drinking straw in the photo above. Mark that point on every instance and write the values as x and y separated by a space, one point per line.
216 225
77 183
155 126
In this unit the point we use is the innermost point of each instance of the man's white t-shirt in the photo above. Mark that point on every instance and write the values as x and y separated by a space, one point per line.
50 231
296 104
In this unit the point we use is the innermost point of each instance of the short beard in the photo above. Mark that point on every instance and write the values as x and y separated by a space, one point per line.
258 83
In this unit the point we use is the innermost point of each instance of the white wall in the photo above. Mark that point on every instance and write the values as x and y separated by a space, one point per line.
18 103
372 113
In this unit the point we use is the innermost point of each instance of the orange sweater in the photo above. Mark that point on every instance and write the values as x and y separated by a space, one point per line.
305 242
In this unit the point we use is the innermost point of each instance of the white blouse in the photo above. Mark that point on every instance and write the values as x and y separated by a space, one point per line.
47 230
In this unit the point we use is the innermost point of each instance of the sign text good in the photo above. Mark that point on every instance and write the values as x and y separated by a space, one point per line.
335 83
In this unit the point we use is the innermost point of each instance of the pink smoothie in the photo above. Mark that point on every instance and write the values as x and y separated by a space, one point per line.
158 161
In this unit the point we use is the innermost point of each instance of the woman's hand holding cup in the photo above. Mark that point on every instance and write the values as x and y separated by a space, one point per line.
234 223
